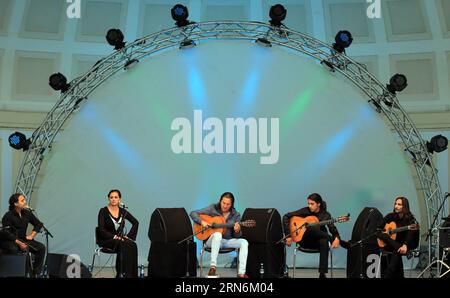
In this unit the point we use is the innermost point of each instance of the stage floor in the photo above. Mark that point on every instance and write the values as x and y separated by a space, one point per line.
109 272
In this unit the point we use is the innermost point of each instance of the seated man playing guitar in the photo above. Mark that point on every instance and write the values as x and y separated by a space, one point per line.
224 209
315 236
400 243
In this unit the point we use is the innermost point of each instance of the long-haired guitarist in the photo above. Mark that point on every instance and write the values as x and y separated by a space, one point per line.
404 241
230 238
317 236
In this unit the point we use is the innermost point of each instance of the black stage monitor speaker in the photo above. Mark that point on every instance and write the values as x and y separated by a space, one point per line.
64 266
268 229
169 225
364 229
169 260
444 234
13 265
271 257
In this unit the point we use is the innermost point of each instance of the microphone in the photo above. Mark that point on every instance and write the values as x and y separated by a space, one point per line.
446 194
123 206
29 208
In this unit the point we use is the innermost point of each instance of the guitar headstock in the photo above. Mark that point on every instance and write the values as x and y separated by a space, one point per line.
414 227
249 223
343 218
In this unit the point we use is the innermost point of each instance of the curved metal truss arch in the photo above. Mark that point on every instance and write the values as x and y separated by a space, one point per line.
383 101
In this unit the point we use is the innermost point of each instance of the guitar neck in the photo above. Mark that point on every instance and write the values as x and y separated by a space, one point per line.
398 230
225 225
322 223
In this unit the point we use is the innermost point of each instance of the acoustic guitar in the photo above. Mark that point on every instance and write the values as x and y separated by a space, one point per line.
218 224
298 225
392 230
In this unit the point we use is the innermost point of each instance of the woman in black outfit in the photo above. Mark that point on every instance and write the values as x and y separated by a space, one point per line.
111 234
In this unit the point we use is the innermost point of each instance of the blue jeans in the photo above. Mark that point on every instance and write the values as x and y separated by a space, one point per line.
216 242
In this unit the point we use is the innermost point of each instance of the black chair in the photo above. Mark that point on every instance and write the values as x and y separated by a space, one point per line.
384 256
300 248
98 250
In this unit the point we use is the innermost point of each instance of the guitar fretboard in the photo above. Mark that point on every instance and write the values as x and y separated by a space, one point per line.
397 230
322 223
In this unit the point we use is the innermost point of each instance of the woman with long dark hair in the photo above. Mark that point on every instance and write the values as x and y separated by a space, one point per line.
111 234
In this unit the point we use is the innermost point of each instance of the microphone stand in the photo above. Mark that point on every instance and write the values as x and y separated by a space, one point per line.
188 242
47 233
285 273
120 234
430 230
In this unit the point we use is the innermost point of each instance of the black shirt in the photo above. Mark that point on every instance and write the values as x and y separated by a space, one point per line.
304 212
18 224
107 229
409 237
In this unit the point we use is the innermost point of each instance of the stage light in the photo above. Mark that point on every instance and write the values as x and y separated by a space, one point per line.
19 141
397 83
277 14
115 38
328 65
187 44
180 14
343 40
437 144
58 82
264 42
131 63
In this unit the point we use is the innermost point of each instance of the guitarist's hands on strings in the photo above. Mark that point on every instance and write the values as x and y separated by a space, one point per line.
205 225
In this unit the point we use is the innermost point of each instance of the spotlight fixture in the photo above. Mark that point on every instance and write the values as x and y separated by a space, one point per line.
264 42
130 63
388 102
58 82
187 44
437 144
343 40
397 83
180 14
277 14
115 38
19 141
328 65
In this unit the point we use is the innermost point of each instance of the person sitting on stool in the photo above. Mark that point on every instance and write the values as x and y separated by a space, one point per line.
404 241
111 223
15 239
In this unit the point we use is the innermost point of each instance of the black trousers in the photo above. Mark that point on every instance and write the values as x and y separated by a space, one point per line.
394 267
36 248
315 238
126 261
